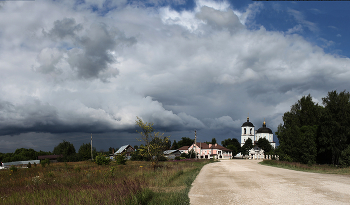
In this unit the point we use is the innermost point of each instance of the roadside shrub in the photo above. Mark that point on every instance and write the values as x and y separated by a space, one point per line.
120 159
43 163
34 164
29 165
163 158
184 155
177 158
47 161
285 157
13 168
102 160
345 157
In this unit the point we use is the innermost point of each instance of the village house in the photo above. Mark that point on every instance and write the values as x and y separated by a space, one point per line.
208 151
126 149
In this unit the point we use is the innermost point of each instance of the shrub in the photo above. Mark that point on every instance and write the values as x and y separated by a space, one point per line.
120 159
177 158
102 160
13 168
43 163
47 161
29 165
34 164
345 157
184 155
163 158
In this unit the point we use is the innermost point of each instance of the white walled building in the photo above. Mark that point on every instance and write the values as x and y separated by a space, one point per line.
247 131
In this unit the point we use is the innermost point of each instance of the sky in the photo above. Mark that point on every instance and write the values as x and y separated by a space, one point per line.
72 68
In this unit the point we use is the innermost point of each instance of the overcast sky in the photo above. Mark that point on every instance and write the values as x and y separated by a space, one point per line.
71 68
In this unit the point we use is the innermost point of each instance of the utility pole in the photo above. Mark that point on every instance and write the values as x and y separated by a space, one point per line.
195 142
91 148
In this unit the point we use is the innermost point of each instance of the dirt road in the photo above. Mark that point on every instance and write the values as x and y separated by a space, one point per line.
247 182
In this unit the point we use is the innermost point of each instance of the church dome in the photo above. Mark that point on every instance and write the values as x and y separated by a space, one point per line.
264 129
247 124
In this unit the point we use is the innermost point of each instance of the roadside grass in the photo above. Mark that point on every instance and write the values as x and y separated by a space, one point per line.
137 182
325 169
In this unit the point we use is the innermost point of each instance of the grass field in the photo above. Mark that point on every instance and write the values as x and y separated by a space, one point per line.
87 183
325 169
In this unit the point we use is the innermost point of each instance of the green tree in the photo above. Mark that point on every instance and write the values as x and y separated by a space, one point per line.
345 157
298 133
110 150
175 145
85 151
264 144
248 145
155 142
334 135
213 141
185 141
232 144
67 150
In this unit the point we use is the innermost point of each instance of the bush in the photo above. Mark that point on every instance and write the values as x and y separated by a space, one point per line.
34 164
102 160
45 162
163 158
29 165
184 155
177 158
13 168
345 157
120 159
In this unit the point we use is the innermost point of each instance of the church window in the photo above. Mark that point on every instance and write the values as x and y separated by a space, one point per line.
245 131
250 130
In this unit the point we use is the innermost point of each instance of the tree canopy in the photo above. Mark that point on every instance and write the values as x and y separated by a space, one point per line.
185 141
248 145
264 144
233 145
85 151
311 133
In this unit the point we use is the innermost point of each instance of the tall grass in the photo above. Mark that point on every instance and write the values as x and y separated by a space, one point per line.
88 183
326 169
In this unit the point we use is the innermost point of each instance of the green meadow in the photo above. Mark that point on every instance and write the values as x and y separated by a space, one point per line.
137 182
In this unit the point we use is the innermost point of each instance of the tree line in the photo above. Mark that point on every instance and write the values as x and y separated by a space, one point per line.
312 133
65 148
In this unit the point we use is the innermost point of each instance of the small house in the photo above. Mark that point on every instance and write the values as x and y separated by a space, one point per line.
126 149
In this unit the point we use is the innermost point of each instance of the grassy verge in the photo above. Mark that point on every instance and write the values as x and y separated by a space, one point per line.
88 183
325 169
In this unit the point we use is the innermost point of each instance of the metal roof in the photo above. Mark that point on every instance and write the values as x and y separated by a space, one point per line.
170 151
121 149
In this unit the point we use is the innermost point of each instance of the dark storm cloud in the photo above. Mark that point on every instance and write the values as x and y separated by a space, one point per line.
34 116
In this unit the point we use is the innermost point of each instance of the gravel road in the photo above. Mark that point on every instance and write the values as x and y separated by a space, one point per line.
247 182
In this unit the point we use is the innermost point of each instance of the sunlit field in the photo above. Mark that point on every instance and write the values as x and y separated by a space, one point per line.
326 169
137 182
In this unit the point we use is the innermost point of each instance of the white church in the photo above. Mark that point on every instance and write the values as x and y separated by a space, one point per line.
249 132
